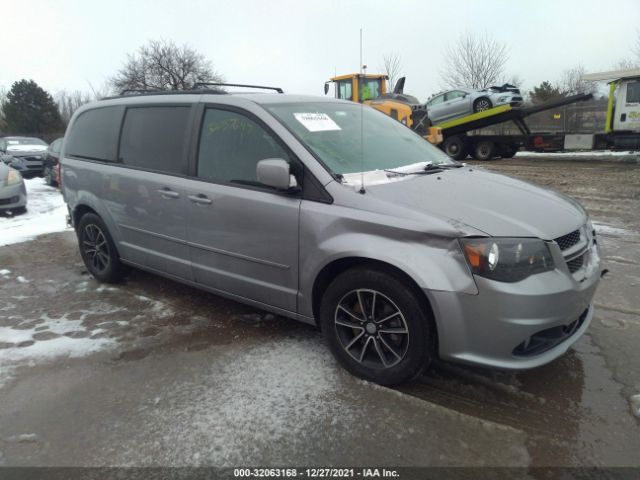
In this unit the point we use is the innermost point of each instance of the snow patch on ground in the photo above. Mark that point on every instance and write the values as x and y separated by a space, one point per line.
604 229
5 272
586 154
46 213
39 340
279 390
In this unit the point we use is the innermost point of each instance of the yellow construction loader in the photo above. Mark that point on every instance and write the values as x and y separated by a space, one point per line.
371 89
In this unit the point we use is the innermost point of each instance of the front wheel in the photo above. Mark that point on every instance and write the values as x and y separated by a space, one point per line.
98 250
455 147
376 326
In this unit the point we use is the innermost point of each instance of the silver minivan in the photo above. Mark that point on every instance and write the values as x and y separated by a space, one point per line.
336 215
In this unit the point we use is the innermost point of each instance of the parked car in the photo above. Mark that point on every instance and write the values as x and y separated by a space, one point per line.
23 154
13 194
50 162
465 101
330 213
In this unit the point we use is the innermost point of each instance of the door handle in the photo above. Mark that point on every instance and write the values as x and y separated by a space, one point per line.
167 193
200 198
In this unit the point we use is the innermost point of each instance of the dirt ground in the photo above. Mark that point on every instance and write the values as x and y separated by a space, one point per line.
150 372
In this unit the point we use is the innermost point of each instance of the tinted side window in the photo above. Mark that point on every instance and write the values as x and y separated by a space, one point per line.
155 138
94 134
231 145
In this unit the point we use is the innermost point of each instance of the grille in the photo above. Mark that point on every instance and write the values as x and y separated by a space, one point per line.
545 340
8 201
575 264
569 240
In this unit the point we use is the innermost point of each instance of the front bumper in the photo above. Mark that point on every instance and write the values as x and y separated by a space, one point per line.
517 325
28 166
14 196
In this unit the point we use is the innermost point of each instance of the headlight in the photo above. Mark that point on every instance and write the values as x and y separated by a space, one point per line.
507 259
13 177
503 98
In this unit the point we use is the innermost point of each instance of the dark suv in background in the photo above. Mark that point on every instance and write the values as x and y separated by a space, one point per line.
50 163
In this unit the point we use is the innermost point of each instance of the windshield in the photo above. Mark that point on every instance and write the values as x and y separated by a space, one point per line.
350 138
25 141
369 88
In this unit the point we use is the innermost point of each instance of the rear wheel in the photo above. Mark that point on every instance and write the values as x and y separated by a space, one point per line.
376 326
49 176
484 150
98 250
482 104
455 147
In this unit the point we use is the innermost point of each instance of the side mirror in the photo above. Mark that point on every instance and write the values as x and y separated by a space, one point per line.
326 88
275 172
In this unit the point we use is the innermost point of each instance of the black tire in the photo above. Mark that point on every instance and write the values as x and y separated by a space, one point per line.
509 152
19 211
484 150
48 175
481 104
97 249
455 147
367 349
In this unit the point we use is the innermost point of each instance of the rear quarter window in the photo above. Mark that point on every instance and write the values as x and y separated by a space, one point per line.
155 138
94 134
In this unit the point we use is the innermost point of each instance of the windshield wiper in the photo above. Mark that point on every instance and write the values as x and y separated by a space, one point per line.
427 169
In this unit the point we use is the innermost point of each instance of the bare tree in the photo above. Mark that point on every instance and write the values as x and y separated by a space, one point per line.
572 82
163 65
626 64
98 93
474 61
392 68
515 80
69 102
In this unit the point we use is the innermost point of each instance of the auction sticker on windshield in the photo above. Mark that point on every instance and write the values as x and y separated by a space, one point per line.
316 122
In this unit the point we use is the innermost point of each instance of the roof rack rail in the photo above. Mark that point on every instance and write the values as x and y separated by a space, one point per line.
139 90
210 84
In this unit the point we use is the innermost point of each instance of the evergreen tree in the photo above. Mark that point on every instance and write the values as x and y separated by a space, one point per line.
29 109
544 92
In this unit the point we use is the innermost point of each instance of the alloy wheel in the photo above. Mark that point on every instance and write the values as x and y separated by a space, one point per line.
371 328
483 105
95 247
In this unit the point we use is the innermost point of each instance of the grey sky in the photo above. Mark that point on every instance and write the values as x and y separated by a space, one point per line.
299 44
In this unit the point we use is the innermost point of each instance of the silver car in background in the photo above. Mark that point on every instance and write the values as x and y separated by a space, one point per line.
465 101
23 154
13 194
333 214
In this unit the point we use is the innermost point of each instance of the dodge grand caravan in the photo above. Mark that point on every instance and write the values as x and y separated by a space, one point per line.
333 214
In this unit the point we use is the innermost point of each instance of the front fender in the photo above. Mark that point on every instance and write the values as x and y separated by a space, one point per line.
433 262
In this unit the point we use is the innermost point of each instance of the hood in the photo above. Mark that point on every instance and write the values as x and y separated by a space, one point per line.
24 150
498 205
